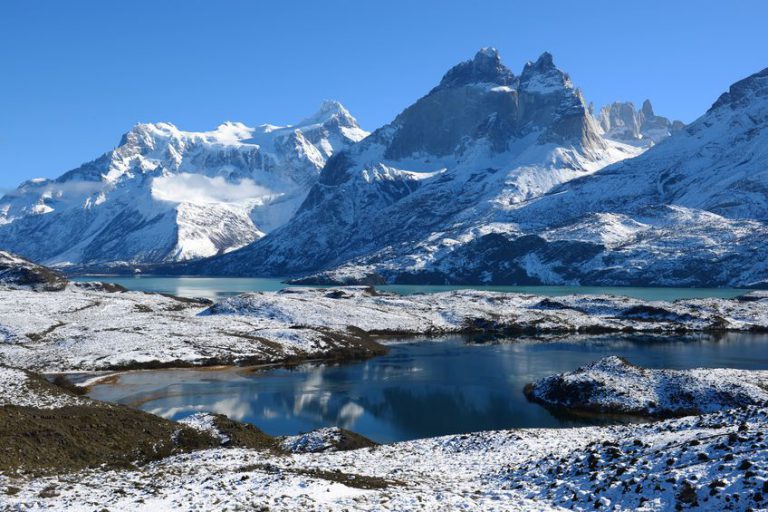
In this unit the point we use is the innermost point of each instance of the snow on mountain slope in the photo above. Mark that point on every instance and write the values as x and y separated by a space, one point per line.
448 167
698 202
691 211
719 163
167 195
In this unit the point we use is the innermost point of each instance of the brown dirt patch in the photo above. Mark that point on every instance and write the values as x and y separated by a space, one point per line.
76 437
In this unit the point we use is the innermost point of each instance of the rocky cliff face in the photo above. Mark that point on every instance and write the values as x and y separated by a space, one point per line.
689 212
449 167
620 121
167 195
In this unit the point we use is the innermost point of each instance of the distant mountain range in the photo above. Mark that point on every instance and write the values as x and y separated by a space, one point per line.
491 177
448 168
621 122
168 195
690 211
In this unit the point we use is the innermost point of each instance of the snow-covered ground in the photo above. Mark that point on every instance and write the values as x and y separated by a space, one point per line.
87 328
24 390
312 442
206 422
614 385
82 329
329 439
472 310
714 462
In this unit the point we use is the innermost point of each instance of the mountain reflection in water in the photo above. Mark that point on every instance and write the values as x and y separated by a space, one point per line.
419 389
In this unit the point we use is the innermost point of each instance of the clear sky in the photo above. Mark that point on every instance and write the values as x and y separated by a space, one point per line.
76 75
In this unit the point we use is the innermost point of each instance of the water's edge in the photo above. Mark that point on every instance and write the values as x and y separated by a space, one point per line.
218 287
419 389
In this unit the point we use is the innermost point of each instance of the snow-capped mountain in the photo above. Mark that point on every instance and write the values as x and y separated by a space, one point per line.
167 195
621 122
691 211
449 168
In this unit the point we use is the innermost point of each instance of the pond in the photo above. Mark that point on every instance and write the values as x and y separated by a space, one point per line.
421 388
218 287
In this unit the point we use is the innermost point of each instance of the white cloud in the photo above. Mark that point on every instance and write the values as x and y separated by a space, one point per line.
42 187
73 188
196 188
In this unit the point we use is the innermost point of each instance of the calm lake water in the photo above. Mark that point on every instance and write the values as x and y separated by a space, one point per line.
217 287
419 389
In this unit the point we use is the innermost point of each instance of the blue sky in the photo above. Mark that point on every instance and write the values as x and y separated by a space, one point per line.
76 75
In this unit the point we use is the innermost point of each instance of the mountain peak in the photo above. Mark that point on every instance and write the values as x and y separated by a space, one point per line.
206 192
543 76
330 109
647 108
545 60
744 91
485 67
488 52
621 122
544 63
142 133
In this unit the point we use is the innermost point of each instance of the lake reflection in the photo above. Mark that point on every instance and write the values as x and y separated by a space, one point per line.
419 389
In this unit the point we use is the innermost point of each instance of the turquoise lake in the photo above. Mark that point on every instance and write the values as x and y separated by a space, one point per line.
217 287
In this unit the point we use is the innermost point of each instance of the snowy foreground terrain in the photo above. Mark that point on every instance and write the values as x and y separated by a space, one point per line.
62 451
713 462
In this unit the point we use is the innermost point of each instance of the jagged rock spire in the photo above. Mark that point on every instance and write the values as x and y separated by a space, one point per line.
485 67
647 109
543 76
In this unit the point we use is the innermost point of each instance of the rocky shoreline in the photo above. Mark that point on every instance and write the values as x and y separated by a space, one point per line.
51 429
613 385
